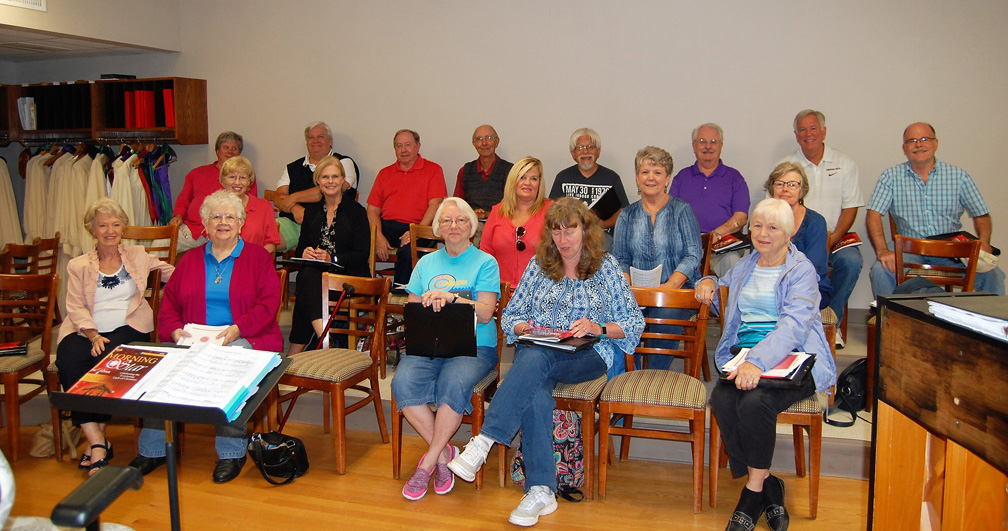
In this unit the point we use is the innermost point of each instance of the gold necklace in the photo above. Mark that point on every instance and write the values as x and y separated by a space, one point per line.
221 269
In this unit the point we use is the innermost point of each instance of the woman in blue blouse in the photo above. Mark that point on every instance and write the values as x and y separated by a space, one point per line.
659 230
788 182
573 285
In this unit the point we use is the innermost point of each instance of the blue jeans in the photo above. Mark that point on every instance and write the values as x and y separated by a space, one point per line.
420 380
884 283
230 442
662 361
846 267
525 400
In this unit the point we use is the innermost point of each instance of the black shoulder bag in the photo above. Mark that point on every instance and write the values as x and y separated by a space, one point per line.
278 455
851 394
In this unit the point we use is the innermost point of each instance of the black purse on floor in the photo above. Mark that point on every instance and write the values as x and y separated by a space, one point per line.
278 456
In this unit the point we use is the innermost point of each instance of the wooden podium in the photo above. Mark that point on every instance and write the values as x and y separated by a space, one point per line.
171 413
940 423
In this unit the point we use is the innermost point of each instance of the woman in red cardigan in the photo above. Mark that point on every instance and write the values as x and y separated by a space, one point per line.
225 282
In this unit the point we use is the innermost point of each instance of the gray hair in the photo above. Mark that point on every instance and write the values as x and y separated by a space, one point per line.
230 136
313 125
416 135
582 132
775 211
820 116
221 198
461 205
712 125
654 155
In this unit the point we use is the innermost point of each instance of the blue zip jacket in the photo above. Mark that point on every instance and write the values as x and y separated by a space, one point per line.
798 327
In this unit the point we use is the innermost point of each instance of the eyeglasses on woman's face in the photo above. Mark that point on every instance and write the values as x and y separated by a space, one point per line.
460 221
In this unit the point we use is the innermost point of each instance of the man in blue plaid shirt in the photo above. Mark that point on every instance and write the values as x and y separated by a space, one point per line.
926 197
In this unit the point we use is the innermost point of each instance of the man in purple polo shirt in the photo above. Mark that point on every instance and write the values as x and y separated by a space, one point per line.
718 193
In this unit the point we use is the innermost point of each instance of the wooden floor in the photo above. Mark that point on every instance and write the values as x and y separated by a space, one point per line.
641 494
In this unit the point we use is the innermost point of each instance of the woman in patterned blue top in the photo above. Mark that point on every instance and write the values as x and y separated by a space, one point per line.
572 285
659 230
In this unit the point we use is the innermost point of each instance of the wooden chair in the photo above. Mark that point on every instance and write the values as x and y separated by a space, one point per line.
806 414
337 370
5 261
285 295
160 241
659 393
481 392
23 258
24 319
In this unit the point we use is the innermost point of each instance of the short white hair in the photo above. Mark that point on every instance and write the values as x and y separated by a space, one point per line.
461 205
775 211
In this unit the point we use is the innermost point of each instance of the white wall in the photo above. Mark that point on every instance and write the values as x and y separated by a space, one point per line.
639 72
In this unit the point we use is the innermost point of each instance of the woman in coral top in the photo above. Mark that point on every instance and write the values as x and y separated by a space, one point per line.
515 224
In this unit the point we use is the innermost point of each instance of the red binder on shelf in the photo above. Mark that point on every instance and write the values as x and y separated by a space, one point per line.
130 108
169 107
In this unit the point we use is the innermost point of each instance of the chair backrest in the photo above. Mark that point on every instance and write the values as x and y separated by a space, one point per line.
948 276
153 296
694 331
422 232
282 277
23 258
270 195
48 255
365 310
5 261
502 302
707 243
27 309
160 241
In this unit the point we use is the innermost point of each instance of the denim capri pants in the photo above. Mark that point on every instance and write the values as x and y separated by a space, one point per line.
420 380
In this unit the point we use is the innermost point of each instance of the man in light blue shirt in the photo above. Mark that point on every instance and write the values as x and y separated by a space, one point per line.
926 197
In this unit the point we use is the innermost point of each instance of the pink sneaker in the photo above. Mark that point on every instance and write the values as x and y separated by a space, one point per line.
444 479
416 487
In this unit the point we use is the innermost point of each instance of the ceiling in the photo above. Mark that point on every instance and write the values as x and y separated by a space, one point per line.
19 44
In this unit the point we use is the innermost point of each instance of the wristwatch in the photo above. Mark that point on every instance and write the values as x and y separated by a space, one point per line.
603 330
455 299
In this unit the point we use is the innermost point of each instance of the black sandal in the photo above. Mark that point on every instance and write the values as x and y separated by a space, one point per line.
85 462
103 461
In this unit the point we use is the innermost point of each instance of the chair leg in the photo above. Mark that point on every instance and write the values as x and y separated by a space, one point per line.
588 441
697 429
799 448
502 464
52 386
625 440
326 400
338 407
815 458
714 465
870 382
13 414
603 465
477 424
379 411
396 440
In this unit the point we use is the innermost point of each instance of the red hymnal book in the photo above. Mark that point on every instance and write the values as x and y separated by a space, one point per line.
851 239
149 115
117 373
140 113
130 107
169 107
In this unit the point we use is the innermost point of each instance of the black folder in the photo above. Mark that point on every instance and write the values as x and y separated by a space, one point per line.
448 333
794 381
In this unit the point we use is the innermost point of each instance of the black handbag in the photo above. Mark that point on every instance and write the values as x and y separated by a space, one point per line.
852 392
278 456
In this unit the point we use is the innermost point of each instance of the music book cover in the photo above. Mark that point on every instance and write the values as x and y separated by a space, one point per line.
116 374
962 236
14 348
607 204
570 344
731 242
851 239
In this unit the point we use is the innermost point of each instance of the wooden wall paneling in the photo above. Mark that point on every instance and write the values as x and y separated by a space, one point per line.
975 492
899 471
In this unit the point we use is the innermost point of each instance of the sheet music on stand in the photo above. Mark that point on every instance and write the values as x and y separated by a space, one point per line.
985 315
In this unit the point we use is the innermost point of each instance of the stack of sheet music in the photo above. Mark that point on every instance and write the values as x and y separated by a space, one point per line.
204 375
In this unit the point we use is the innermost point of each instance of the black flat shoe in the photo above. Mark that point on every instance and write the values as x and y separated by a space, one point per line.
146 465
740 521
773 495
228 469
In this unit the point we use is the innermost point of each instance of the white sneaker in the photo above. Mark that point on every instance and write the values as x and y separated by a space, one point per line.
539 501
839 340
466 464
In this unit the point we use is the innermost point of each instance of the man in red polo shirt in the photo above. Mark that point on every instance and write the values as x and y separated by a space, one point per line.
407 191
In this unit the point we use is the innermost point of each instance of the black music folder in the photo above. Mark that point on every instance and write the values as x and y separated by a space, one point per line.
448 333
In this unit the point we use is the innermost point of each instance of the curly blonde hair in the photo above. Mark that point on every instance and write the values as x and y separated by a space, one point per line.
569 212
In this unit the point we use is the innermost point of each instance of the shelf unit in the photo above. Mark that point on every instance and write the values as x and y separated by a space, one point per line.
96 111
